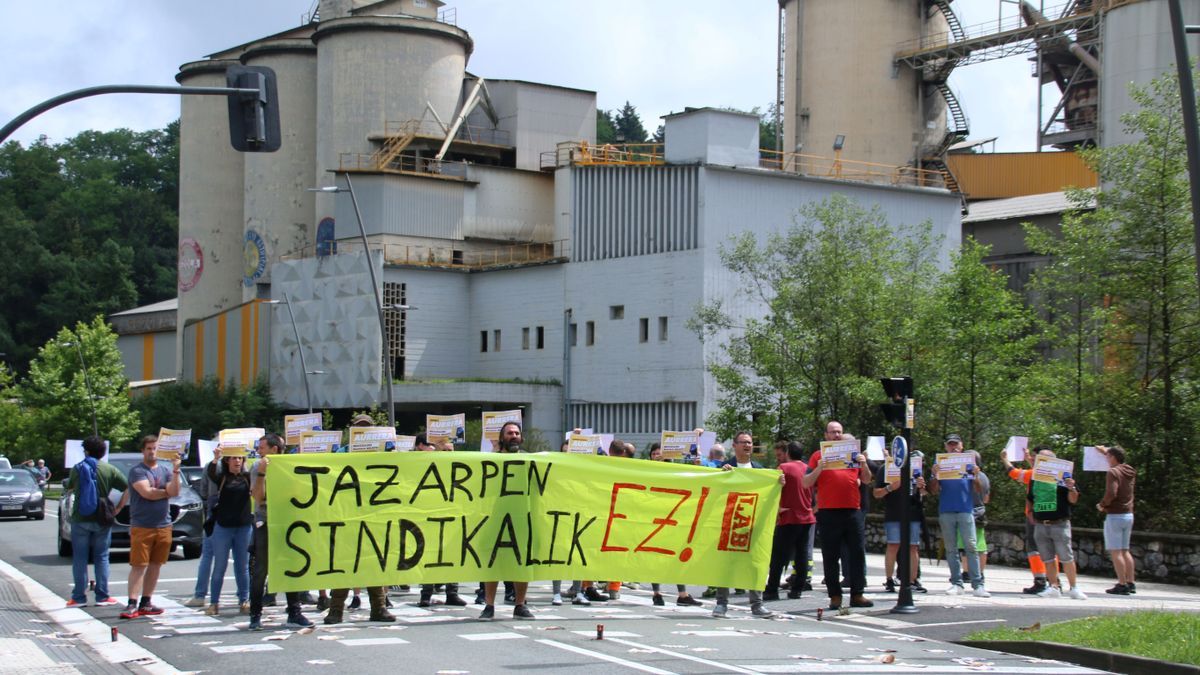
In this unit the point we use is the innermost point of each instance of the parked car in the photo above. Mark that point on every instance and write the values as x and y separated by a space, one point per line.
20 495
192 475
187 516
37 476
4 463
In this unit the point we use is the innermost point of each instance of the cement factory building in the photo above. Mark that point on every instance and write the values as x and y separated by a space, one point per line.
524 264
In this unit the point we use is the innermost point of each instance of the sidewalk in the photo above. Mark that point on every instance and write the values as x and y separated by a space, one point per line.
40 636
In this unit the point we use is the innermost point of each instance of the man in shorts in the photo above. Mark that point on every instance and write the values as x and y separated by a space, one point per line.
151 486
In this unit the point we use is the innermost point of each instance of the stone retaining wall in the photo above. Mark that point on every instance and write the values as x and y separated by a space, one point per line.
1157 556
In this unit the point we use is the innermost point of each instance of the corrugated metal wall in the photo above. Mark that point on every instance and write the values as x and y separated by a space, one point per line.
634 418
622 211
231 345
1015 174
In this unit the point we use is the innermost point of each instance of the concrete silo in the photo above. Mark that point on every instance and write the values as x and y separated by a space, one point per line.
211 184
277 208
1137 47
380 63
840 78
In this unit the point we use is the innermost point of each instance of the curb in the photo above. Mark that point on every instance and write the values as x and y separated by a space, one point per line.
1085 656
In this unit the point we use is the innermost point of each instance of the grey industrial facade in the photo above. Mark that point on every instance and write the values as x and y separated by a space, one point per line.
539 270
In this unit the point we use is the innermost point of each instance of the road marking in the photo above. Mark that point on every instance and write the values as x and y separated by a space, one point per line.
96 634
369 642
493 636
879 621
688 657
200 630
918 668
231 649
958 623
607 633
606 657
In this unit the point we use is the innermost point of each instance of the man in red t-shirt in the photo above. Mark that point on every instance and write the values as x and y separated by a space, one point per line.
793 523
838 501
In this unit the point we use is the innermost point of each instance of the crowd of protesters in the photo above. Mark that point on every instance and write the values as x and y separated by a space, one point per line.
821 505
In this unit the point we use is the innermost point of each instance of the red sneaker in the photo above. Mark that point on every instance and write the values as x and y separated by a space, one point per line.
149 610
72 603
107 602
131 612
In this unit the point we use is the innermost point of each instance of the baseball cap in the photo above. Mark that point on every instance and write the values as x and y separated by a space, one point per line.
954 438
362 421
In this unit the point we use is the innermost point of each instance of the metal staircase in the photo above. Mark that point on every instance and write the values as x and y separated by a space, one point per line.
394 145
956 28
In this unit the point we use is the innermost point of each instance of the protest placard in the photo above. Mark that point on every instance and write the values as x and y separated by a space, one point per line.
73 452
245 437
875 448
1093 459
585 444
372 439
406 443
891 473
172 443
953 465
915 464
1016 447
293 425
346 520
319 441
205 451
442 427
1051 469
493 420
839 454
677 444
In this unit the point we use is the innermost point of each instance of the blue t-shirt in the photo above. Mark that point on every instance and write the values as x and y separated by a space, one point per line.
955 495
144 512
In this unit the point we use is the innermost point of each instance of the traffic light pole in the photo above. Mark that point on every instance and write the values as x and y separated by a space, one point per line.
52 103
904 599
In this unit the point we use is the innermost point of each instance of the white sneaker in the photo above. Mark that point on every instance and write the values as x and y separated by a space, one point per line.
557 599
581 599
1050 592
1076 594
981 592
954 589
196 602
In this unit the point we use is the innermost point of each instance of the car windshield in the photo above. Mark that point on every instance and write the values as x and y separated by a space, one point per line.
17 478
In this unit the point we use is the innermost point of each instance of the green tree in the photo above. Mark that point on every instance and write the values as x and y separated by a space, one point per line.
606 128
628 125
12 418
836 291
209 406
1129 263
76 374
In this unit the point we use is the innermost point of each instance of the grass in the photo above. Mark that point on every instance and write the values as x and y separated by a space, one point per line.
1168 636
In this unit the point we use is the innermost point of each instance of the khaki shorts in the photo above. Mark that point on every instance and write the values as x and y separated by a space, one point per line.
149 546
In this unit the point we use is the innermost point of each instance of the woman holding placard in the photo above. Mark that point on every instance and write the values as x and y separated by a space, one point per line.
231 526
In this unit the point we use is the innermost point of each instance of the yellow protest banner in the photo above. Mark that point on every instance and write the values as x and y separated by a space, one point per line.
346 520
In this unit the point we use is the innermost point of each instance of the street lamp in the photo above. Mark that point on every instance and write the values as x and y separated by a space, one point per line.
287 302
362 232
87 383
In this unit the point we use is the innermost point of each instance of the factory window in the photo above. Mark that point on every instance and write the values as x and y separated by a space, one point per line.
616 312
541 337
662 329
395 323
456 257
573 332
643 329
524 338
591 333
634 418
483 341
496 340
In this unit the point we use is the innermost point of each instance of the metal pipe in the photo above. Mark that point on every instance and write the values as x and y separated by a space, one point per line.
1086 57
387 367
566 405
287 301
1187 98
56 101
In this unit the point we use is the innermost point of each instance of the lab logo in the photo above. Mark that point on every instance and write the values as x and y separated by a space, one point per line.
738 524
254 258
191 263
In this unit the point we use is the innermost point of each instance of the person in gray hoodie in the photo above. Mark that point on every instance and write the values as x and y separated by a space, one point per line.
1117 507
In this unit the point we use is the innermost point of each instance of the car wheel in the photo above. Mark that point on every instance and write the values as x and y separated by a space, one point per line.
191 551
40 516
64 548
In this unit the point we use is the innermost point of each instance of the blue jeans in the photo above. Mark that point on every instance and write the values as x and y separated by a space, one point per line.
237 540
205 572
89 543
955 525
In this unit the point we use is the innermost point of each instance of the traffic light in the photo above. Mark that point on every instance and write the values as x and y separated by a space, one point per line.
899 391
253 116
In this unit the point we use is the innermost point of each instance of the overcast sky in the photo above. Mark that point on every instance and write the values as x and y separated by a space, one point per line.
661 55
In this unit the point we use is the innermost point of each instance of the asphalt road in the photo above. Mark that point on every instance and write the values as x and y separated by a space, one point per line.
638 636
